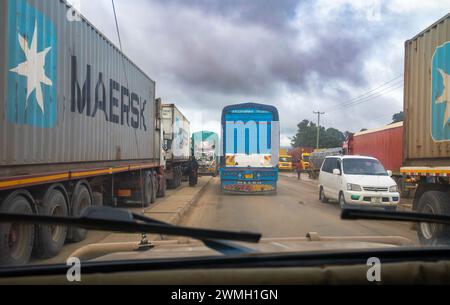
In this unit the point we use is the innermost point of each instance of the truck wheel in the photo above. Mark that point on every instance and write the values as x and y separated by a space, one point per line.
16 240
162 188
171 183
179 177
148 189
97 199
434 202
192 181
154 187
176 178
51 239
81 200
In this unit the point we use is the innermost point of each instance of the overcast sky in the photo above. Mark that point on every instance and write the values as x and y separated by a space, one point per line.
297 55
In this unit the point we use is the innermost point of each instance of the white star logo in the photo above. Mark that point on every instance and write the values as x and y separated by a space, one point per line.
33 68
445 97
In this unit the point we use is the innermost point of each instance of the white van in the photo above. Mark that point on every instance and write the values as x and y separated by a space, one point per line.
357 181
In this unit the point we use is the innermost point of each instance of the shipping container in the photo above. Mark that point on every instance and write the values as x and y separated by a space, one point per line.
176 133
426 105
78 122
382 143
427 126
177 157
90 105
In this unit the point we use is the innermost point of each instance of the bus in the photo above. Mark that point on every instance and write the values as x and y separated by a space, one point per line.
250 149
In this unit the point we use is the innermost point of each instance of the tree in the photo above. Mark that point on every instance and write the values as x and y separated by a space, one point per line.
307 136
333 138
398 117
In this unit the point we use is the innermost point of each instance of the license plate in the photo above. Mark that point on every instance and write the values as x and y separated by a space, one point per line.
376 200
248 176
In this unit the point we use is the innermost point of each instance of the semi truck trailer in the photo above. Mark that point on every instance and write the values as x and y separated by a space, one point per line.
427 125
79 126
177 157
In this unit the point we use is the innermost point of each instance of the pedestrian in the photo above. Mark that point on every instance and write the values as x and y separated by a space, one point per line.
299 171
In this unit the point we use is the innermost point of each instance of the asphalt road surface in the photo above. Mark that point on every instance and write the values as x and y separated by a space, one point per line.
293 212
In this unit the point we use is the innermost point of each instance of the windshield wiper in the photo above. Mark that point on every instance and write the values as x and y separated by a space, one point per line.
221 246
119 220
369 214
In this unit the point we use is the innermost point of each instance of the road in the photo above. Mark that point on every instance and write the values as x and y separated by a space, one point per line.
293 212
94 237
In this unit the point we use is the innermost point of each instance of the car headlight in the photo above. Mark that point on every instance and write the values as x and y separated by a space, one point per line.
354 187
393 189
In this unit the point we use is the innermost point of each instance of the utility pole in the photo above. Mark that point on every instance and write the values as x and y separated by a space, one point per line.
318 126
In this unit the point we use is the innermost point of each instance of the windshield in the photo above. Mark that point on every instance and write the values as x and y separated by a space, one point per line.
285 159
364 167
267 116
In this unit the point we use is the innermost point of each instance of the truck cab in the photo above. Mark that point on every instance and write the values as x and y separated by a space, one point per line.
304 162
285 163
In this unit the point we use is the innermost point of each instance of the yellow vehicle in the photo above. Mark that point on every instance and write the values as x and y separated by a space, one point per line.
304 162
285 163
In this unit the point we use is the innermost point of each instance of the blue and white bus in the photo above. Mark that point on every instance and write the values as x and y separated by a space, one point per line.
250 149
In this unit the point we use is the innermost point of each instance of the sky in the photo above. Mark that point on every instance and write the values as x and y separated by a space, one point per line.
300 56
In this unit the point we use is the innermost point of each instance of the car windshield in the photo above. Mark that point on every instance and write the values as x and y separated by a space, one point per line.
363 167
270 117
285 159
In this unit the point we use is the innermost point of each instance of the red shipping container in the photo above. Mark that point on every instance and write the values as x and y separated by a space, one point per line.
385 144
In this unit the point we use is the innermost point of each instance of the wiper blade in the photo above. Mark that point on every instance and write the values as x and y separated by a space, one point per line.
221 246
369 214
118 220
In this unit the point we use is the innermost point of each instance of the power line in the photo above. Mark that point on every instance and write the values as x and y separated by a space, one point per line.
120 42
367 96
122 55
393 88
356 100
388 90
378 87
370 93
370 97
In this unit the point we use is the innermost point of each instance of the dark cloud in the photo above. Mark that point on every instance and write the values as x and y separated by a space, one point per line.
251 47
267 13
296 55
